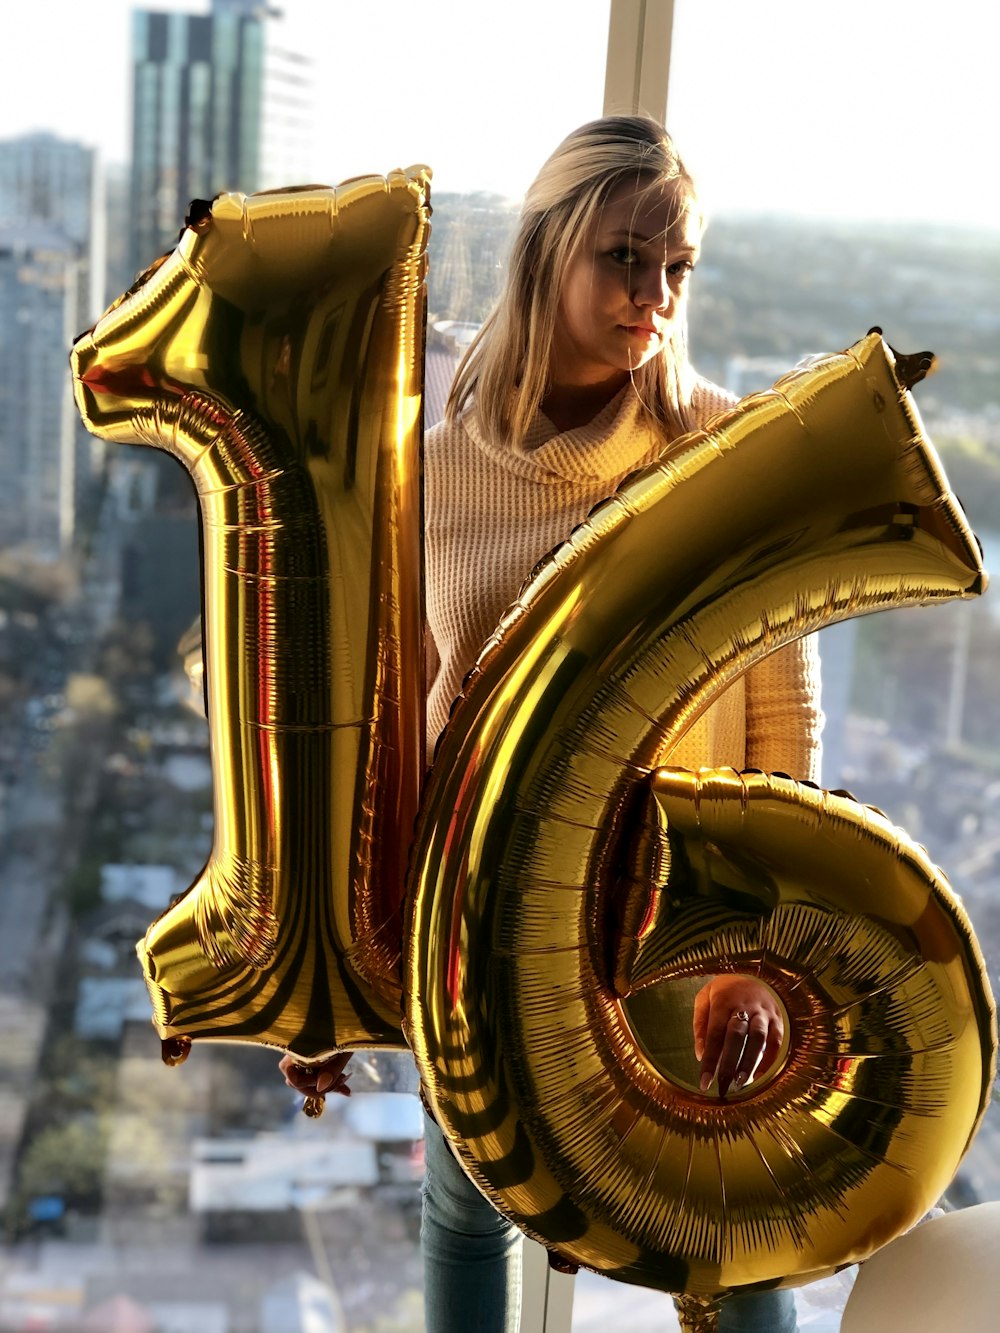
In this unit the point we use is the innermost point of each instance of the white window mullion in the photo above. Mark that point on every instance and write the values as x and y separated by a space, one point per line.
638 68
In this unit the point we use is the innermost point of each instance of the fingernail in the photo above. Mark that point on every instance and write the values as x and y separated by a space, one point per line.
323 1082
706 1082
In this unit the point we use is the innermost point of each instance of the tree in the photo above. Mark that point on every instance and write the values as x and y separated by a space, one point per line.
67 1160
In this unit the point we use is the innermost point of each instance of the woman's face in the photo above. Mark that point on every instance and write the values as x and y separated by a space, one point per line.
625 287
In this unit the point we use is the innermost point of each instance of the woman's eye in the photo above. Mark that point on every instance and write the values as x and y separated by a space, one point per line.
622 254
681 268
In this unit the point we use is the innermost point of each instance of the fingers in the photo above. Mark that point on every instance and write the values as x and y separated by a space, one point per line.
334 1080
738 1031
702 1010
732 1050
317 1080
716 1027
746 1037
772 1047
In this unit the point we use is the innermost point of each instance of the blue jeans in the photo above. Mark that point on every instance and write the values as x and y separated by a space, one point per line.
759 1312
472 1255
472 1261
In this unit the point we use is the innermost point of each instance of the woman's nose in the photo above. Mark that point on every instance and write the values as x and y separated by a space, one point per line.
652 290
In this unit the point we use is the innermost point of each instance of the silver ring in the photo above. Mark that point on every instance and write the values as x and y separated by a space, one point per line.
742 1015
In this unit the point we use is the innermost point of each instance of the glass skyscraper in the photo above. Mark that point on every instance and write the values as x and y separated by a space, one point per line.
202 113
51 285
39 313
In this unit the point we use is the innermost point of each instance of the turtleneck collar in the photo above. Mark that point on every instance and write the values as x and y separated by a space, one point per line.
617 441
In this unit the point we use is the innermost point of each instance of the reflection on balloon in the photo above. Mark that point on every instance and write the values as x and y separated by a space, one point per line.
278 353
554 874
191 652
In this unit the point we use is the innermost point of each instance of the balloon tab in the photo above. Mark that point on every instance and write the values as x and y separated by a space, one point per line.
175 1050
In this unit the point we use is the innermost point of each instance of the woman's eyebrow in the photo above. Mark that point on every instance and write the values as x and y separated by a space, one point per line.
630 234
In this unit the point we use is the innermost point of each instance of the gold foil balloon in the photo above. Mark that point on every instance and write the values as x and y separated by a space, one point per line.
556 871
278 353
891 1060
565 888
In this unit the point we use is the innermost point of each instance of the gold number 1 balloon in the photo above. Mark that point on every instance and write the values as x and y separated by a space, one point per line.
278 353
558 870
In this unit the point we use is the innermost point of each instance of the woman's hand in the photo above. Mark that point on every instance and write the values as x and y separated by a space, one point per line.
738 1030
317 1080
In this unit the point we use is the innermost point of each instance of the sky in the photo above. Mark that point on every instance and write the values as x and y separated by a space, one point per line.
882 109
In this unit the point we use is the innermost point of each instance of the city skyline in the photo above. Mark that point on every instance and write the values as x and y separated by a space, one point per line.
862 111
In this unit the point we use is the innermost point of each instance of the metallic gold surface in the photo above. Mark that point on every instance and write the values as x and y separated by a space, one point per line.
559 869
278 353
549 879
697 1314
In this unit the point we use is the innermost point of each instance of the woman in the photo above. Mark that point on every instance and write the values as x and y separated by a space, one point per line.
579 377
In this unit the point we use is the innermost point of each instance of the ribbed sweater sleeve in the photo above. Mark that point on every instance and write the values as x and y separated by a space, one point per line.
784 720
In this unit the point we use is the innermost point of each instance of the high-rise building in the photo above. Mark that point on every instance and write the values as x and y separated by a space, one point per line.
51 287
119 268
39 428
218 104
47 179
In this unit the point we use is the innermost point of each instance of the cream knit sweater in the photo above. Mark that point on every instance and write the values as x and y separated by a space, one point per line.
492 513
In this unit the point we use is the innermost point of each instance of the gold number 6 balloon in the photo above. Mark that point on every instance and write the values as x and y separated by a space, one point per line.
278 353
558 869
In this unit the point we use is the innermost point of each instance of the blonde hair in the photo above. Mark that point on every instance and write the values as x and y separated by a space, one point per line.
506 367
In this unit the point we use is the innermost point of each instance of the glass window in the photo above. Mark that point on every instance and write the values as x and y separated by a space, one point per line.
115 1170
480 97
821 225
841 164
